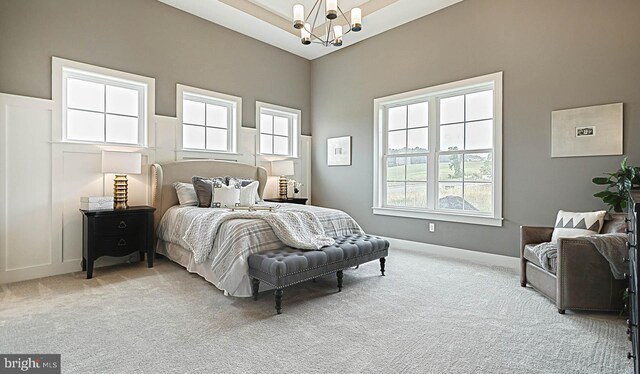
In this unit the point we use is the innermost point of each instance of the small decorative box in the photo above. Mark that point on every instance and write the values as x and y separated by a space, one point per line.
96 202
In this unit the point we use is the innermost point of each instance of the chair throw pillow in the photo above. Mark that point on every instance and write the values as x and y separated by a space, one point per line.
204 189
572 224
225 196
186 193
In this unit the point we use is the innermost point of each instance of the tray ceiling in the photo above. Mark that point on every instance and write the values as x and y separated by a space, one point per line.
270 20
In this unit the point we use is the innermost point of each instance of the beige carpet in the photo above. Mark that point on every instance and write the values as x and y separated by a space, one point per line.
428 315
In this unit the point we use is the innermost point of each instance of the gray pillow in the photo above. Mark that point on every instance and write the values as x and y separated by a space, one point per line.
204 189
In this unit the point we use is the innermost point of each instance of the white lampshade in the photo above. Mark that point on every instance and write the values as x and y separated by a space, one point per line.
282 167
337 31
305 32
121 162
332 9
356 15
298 13
356 19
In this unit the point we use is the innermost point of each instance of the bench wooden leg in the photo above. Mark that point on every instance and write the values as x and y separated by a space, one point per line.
339 274
255 285
382 261
278 294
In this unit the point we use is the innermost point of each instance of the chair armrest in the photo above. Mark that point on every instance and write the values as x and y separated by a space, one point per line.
584 276
534 235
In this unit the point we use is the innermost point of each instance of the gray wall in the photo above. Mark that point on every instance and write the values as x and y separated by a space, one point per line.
554 55
148 38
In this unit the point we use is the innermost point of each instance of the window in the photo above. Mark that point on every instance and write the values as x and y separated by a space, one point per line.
103 109
279 129
209 119
438 152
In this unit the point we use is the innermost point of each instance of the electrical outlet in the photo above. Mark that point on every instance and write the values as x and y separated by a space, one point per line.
432 227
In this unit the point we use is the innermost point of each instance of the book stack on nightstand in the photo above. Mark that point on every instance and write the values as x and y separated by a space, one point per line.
96 202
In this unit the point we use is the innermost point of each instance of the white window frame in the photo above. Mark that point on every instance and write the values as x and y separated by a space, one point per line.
63 69
233 103
493 218
295 116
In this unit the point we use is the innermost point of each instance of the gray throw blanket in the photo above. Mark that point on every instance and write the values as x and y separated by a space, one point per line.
547 254
613 247
295 228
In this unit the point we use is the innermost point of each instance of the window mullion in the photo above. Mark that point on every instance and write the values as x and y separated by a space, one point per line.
104 114
432 171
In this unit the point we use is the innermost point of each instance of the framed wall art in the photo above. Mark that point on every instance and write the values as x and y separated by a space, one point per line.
339 151
589 131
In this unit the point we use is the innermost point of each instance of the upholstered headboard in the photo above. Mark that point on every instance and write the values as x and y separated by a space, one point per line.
163 195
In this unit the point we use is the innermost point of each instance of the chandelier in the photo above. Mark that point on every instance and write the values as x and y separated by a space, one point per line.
333 33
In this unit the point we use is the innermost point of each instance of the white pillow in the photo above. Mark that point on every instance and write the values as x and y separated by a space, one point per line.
249 194
224 196
186 193
571 224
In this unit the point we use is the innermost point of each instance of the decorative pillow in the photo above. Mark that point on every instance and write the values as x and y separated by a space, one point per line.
244 182
249 194
186 193
204 189
225 196
571 225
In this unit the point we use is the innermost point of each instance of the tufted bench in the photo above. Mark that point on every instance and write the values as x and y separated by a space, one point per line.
287 266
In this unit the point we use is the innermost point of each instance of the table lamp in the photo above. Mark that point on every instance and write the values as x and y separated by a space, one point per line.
283 169
121 164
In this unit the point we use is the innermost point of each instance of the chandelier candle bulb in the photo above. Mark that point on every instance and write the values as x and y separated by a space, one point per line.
298 16
305 34
356 19
332 9
337 33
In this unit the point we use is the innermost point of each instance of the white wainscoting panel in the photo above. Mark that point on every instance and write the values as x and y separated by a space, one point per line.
25 176
81 177
166 128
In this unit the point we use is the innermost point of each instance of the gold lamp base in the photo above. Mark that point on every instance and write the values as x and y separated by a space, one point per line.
283 187
120 186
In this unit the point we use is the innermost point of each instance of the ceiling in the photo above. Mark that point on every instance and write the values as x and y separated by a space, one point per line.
270 20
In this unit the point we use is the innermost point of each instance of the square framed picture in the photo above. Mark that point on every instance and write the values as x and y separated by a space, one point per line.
339 151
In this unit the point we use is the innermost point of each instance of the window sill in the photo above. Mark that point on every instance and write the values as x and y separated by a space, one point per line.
187 150
111 145
439 216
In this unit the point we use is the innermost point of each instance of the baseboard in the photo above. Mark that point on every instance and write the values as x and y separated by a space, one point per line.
456 253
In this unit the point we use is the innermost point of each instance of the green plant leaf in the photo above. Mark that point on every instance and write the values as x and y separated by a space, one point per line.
602 194
600 180
612 199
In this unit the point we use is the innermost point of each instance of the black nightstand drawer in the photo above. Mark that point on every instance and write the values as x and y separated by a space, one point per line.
119 225
119 243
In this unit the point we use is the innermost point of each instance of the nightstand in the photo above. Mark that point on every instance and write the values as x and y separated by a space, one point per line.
116 232
293 200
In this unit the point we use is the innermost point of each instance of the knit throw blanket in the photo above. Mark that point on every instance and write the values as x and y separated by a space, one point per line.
295 228
613 247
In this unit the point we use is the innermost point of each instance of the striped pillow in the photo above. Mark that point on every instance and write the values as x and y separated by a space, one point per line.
186 193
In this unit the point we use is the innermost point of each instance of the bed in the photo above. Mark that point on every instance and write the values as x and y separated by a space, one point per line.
226 265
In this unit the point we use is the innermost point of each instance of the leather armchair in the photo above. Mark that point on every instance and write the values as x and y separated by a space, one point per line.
583 280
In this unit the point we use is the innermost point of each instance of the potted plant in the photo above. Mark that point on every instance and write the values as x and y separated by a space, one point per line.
618 183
